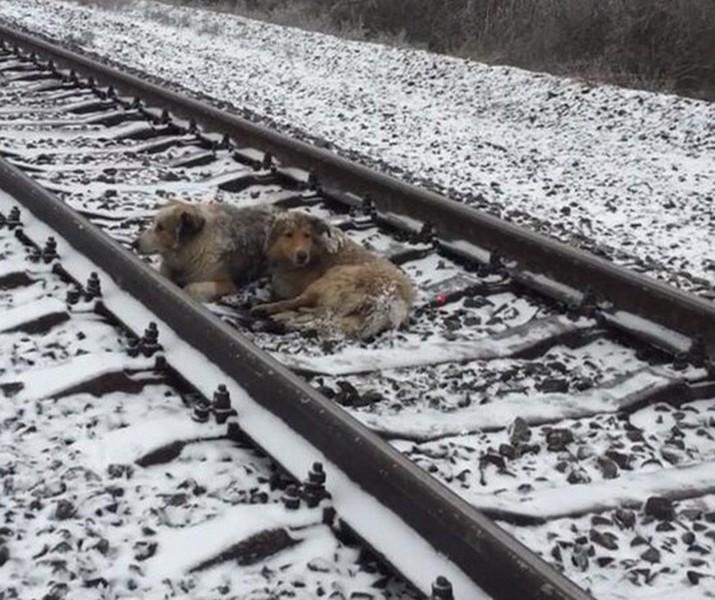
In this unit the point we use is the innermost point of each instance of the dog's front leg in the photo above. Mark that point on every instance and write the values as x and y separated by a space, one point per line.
208 291
272 308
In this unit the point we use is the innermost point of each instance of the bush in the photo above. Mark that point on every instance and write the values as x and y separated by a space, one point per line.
664 44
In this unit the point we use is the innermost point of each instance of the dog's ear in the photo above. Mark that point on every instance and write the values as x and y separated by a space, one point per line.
320 228
191 221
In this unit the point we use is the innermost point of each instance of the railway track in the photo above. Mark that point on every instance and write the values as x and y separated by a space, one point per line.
566 399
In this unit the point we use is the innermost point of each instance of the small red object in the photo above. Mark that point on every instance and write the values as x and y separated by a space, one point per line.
441 299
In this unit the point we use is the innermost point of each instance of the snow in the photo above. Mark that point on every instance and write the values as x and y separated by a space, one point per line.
421 423
361 360
365 514
15 317
624 172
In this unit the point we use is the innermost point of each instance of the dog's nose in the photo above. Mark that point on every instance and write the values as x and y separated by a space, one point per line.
301 257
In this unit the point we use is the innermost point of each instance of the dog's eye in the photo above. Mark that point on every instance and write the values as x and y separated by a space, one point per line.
307 235
288 235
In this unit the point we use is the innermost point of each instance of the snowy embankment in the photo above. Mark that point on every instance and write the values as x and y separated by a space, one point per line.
627 173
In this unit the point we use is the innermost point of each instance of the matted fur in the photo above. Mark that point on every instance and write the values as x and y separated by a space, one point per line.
208 249
330 283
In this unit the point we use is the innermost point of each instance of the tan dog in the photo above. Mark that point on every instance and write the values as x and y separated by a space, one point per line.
330 283
208 249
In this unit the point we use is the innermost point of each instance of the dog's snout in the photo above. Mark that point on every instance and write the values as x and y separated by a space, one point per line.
301 257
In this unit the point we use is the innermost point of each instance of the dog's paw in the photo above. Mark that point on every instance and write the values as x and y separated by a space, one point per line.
260 310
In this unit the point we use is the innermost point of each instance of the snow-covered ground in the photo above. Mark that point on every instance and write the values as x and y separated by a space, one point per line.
627 173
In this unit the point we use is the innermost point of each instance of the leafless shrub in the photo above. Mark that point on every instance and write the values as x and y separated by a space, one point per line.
662 44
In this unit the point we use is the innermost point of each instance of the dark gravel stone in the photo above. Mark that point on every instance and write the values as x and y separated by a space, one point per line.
688 537
144 549
116 471
604 561
621 459
347 394
604 538
102 546
660 508
562 466
64 510
557 440
710 517
507 451
4 555
635 435
556 553
609 469
519 431
694 577
625 519
652 555
553 385
328 392
664 526
638 541
368 398
692 514
598 520
578 476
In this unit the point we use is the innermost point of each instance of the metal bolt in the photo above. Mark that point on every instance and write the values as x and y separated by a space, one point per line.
442 589
698 351
165 117
13 218
680 362
133 346
290 498
34 255
149 344
94 288
49 252
225 142
202 409
427 233
314 486
73 295
329 516
222 404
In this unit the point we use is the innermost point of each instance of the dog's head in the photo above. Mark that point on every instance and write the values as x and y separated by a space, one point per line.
296 239
172 225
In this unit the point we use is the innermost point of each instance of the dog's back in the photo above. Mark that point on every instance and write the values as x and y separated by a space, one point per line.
241 234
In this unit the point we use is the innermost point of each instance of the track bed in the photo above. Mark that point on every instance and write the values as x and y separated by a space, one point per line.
561 421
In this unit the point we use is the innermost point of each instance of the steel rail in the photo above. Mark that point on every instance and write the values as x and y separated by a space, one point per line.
493 559
625 290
